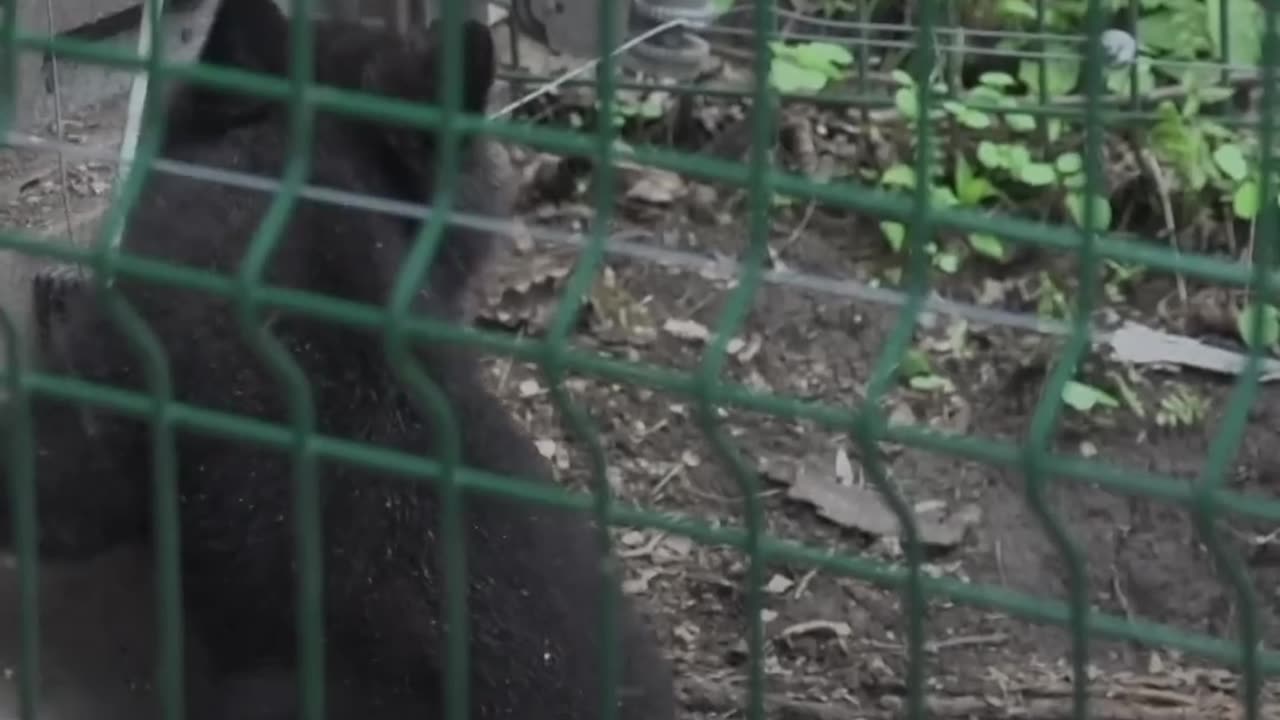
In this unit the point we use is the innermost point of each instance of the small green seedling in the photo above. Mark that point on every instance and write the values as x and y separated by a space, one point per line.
1119 276
633 107
1181 407
807 67
1084 398
916 369
1269 329
1016 160
1051 300
1128 394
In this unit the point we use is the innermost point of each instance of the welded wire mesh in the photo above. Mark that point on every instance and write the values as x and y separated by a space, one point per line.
1206 499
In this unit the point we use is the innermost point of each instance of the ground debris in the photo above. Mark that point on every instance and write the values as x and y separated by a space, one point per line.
830 489
1115 699
1136 343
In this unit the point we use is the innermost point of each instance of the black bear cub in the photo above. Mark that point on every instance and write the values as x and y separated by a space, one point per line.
535 574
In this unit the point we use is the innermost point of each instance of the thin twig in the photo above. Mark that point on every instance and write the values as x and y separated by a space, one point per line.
798 229
1166 206
571 74
58 125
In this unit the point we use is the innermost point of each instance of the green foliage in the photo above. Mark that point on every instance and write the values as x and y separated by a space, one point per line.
1061 74
1184 139
1004 164
916 370
1269 331
807 67
633 106
1210 162
994 155
1084 398
1181 406
1182 30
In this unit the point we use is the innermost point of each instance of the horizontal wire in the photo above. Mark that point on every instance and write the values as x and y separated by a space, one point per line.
1047 54
551 86
840 287
721 268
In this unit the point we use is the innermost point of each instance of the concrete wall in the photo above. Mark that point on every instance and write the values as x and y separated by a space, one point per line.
33 18
82 87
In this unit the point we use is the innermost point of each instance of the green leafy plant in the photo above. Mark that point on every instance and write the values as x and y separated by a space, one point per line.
1182 30
1210 161
807 67
1084 398
1182 406
1006 160
1182 138
1128 394
634 106
916 370
904 177
994 155
1016 160
1119 276
1069 172
1269 332
1051 300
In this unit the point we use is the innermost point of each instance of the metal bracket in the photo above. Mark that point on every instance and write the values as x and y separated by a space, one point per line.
569 26
679 52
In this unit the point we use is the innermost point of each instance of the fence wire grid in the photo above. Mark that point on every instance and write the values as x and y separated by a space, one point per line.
1207 499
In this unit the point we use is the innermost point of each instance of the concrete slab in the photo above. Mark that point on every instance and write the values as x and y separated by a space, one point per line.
83 85
40 204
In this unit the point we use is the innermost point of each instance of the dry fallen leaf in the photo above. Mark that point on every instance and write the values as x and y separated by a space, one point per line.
844 468
778 584
546 448
861 507
686 329
677 545
529 388
640 585
835 627
745 351
653 185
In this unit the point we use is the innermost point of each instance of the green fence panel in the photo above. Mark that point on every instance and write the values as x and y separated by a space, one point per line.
1207 500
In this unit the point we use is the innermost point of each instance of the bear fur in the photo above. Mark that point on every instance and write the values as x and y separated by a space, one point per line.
535 573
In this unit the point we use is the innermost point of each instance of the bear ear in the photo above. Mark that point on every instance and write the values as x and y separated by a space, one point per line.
477 63
415 74
248 35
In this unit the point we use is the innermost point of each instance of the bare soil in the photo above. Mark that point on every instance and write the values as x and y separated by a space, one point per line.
835 644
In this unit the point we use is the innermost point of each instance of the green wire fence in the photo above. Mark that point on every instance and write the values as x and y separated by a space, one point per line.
1206 499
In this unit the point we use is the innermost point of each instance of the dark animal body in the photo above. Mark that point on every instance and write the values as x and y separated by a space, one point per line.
535 574
98 641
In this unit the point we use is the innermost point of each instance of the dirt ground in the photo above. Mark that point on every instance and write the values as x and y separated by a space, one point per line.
835 644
